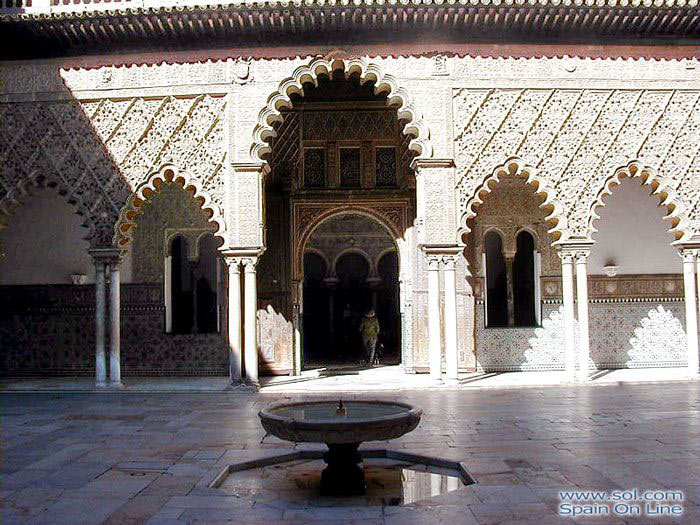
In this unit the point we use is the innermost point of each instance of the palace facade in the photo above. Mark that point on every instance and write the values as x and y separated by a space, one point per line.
206 190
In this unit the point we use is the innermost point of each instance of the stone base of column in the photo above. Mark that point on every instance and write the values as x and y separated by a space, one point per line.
101 384
452 381
115 384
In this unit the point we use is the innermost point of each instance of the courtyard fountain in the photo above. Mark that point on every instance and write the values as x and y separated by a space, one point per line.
342 427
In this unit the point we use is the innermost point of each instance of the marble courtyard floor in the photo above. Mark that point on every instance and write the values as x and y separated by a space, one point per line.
148 457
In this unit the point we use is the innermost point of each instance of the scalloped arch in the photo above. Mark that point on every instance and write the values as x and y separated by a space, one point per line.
517 167
368 72
677 211
22 191
167 173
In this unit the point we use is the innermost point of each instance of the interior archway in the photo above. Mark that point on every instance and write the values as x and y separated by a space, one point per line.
361 282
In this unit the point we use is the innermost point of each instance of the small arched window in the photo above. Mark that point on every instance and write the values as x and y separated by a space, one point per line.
524 279
179 298
496 289
191 287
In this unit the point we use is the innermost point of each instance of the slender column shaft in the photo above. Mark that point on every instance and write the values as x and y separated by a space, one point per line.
582 297
251 308
100 311
331 314
509 290
451 351
434 339
115 374
691 317
235 355
567 275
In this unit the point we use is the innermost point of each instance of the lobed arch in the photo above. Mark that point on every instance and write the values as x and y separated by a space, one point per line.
167 173
368 72
517 167
677 210
37 180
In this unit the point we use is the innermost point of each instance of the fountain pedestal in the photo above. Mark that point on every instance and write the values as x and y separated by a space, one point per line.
344 473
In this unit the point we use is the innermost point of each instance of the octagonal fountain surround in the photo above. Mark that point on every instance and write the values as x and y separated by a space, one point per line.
342 427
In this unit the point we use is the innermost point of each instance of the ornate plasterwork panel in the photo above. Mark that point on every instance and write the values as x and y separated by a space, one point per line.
101 151
56 141
576 139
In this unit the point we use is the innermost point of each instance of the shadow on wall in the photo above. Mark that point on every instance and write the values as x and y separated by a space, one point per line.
94 153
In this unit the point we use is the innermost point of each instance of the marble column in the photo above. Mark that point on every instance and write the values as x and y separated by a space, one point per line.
330 284
451 350
115 374
434 332
251 325
510 257
582 303
100 312
567 275
691 316
235 355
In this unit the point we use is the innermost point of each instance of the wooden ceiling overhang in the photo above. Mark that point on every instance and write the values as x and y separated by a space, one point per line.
80 27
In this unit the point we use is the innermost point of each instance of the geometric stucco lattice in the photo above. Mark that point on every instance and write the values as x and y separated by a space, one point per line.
102 150
55 142
576 139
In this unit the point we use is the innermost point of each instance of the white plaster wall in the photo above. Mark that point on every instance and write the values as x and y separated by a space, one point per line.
43 244
631 233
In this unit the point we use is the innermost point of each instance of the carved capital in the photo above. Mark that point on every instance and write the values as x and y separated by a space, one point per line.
689 255
450 262
106 256
249 264
233 264
433 262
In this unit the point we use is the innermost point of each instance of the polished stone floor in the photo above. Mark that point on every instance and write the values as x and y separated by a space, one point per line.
147 457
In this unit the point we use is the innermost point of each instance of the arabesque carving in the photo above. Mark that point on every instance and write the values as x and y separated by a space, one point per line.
575 140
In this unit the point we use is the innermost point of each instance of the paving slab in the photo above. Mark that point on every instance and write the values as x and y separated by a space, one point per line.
149 457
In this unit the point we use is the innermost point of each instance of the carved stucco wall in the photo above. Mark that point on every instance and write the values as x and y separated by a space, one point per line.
576 139
101 131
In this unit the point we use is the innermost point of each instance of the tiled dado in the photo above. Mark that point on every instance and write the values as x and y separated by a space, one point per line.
631 287
625 333
49 330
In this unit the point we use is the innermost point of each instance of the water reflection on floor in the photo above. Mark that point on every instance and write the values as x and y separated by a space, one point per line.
389 482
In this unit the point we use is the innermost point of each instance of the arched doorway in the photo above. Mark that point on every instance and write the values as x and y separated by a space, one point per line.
340 148
350 272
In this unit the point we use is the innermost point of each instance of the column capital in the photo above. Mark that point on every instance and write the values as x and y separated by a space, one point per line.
331 281
578 250
109 256
249 264
450 261
433 261
688 254
233 263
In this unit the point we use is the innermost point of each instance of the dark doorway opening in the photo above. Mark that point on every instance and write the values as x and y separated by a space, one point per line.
351 272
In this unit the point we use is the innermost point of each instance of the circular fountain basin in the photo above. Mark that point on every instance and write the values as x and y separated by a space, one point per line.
342 427
318 422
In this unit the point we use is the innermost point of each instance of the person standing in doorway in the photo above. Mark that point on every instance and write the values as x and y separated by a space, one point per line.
369 330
